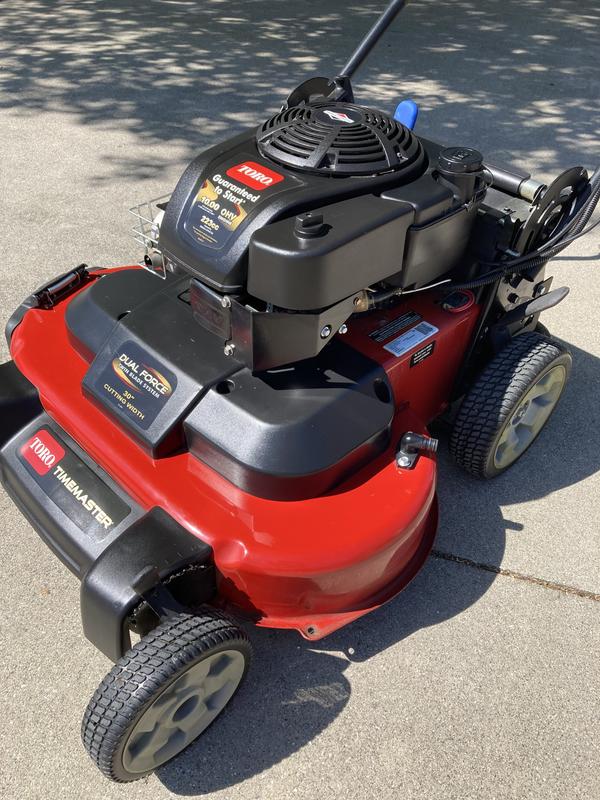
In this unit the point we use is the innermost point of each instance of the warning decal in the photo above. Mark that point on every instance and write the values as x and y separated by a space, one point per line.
422 354
396 325
413 337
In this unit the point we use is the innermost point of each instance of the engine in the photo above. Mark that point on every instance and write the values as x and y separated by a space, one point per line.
286 230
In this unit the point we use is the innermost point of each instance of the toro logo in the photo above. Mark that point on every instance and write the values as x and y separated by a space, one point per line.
254 175
42 451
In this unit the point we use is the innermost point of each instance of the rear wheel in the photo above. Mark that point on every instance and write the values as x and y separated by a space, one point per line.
541 328
164 693
509 404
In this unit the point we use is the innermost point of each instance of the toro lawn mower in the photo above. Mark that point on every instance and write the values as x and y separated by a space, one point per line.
240 429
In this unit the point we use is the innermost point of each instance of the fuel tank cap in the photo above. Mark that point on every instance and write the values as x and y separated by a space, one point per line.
460 160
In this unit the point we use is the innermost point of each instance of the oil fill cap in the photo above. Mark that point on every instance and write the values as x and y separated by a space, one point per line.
309 225
460 160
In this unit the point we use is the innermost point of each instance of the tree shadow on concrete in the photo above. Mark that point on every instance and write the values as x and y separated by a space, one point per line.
190 73
296 688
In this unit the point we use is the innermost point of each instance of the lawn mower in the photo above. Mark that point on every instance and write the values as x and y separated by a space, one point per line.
237 430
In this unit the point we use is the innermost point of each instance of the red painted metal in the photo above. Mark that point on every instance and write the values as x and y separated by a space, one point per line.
426 386
313 565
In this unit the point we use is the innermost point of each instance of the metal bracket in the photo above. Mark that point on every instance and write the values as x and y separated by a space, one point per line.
151 549
500 333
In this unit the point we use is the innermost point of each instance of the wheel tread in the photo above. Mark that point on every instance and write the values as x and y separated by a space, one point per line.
494 395
155 659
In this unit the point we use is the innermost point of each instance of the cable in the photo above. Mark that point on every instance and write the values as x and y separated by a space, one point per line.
555 245
549 249
576 224
530 263
425 288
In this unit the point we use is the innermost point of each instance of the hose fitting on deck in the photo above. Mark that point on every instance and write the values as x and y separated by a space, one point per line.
411 444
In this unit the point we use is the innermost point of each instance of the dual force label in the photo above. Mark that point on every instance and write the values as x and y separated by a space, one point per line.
135 384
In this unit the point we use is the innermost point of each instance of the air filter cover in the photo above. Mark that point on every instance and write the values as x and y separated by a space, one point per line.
339 139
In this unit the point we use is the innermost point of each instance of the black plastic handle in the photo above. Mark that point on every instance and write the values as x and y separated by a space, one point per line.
372 37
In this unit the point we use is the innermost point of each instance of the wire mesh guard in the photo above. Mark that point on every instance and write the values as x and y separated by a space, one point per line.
148 217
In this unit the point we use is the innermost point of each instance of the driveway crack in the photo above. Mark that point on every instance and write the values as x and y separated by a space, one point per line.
518 576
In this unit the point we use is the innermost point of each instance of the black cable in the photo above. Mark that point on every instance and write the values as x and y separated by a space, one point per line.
576 224
528 262
532 263
549 249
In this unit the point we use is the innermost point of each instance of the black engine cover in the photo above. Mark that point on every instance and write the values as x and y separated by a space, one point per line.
381 210
233 189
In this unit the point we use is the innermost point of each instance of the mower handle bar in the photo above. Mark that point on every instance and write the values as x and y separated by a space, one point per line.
515 184
372 37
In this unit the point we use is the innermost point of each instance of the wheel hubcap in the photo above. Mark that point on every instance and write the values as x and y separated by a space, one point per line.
183 710
529 417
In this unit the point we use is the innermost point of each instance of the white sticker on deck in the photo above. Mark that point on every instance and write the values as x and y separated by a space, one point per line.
402 344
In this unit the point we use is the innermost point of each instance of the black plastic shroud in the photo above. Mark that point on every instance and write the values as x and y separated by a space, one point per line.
251 428
231 224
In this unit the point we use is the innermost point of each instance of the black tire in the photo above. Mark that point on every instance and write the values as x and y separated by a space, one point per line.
543 330
497 394
145 673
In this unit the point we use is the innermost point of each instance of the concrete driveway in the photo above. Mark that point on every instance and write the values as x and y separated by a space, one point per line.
482 680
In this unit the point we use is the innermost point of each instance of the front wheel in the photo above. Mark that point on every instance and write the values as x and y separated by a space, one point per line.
164 693
509 404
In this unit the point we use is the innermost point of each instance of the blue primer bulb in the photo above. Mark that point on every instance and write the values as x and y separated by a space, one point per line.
406 113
